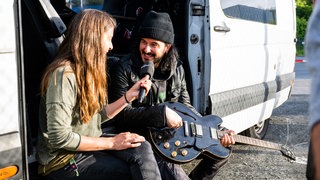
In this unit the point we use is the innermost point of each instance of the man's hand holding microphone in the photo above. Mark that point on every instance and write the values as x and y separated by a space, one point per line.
173 119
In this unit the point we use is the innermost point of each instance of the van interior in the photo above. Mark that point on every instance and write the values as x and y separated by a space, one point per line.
44 24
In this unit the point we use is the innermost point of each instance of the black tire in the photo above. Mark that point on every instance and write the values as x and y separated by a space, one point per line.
258 131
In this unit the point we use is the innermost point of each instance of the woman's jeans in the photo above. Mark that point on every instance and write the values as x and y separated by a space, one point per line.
135 163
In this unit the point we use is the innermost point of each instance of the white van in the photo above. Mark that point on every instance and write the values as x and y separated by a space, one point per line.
246 60
238 55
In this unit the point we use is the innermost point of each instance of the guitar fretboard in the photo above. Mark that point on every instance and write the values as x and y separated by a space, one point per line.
253 141
197 130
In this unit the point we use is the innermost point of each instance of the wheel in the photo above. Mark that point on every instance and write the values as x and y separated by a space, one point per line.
259 130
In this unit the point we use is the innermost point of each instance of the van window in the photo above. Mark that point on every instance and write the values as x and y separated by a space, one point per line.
263 11
78 5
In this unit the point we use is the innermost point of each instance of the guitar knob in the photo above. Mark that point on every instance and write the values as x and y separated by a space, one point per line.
174 153
166 145
184 152
177 143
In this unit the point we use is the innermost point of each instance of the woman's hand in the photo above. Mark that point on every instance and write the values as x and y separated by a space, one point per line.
133 92
120 141
173 118
127 140
114 108
227 139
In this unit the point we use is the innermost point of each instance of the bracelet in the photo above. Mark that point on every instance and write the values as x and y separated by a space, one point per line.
125 97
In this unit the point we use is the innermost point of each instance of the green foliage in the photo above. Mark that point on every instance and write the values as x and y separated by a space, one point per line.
301 27
304 8
301 31
299 50
303 12
302 3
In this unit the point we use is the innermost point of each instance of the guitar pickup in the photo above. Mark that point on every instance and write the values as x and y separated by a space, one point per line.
186 128
193 129
213 133
199 132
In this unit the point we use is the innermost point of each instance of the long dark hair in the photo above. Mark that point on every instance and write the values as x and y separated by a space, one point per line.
169 59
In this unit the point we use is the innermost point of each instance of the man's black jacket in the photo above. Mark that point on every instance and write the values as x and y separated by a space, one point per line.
150 113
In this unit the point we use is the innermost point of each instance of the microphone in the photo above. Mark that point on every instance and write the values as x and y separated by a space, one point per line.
147 69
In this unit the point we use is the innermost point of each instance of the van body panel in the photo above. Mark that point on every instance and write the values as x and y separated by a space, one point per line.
248 116
243 50
9 101
11 150
250 60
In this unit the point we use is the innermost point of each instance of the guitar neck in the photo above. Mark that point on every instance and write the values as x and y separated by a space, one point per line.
253 141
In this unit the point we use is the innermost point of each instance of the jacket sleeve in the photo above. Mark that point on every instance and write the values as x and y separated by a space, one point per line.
122 78
180 90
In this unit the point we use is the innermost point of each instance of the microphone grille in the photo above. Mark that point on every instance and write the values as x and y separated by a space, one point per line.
147 69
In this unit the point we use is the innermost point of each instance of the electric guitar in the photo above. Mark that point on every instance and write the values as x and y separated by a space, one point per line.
199 135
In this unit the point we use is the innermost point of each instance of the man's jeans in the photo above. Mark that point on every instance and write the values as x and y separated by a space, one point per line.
135 163
206 169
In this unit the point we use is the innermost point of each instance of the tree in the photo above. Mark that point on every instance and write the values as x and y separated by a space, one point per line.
303 12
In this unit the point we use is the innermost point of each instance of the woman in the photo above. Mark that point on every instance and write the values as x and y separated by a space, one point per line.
74 104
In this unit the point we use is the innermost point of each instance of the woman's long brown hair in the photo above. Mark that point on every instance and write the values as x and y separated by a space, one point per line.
82 50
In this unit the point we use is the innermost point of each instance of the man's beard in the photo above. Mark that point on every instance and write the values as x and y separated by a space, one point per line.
156 60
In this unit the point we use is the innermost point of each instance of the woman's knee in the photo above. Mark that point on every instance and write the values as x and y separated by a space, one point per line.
144 152
145 148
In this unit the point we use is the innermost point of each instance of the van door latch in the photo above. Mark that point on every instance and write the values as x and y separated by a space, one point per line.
221 28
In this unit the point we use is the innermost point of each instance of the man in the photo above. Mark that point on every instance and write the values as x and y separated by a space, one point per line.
156 45
312 52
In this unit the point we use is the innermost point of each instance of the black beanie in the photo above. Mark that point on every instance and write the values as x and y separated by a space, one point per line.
157 26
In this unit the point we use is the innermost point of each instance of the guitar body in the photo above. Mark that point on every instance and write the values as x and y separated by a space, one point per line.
198 135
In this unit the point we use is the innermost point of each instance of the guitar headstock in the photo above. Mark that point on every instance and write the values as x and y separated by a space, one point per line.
288 153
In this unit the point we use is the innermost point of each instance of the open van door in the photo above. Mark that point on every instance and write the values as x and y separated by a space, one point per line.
31 31
12 156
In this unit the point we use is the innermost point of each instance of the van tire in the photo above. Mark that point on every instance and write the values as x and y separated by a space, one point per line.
258 131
